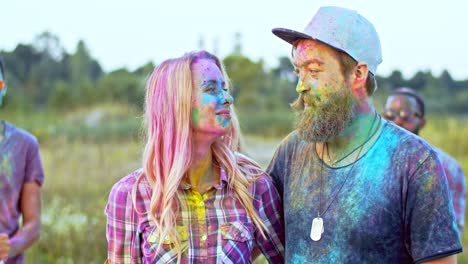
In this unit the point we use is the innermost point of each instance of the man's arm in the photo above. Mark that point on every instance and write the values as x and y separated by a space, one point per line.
447 260
30 206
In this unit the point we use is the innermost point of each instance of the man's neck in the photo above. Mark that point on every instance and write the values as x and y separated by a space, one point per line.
359 132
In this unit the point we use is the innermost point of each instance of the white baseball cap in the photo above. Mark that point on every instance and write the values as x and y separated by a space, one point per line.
343 29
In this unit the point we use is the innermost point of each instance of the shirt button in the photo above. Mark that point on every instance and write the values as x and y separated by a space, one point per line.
152 238
203 238
201 204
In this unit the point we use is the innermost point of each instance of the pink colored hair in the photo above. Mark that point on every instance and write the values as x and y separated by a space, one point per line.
169 147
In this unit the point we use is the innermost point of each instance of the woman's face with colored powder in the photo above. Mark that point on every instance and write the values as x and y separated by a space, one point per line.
211 105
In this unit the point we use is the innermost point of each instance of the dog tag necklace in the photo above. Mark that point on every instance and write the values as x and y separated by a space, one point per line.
318 227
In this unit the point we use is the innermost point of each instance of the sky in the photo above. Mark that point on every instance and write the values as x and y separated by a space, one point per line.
415 35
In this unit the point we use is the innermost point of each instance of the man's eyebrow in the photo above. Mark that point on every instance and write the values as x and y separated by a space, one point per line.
307 62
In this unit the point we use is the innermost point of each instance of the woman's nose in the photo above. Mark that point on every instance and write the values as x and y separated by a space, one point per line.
227 98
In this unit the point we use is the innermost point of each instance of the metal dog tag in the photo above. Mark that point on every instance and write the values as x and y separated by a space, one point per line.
317 229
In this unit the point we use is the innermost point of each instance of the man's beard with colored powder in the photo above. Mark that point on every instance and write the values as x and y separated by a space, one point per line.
324 119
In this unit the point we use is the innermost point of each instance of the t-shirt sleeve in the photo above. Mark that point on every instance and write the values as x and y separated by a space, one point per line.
277 169
459 198
33 168
122 226
457 187
429 219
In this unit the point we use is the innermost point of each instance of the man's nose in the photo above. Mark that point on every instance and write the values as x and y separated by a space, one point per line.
398 121
300 88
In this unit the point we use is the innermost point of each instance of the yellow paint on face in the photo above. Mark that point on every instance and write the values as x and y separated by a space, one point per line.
317 68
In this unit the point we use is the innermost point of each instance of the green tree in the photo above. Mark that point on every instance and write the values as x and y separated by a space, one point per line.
145 70
247 82
122 86
396 79
447 81
418 81
60 96
82 66
284 81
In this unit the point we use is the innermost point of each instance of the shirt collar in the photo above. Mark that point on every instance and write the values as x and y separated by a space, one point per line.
223 180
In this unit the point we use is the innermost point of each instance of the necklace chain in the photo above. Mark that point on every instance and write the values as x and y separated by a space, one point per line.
333 163
350 170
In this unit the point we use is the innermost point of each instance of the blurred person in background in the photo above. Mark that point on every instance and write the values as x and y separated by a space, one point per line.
406 108
21 178
356 188
196 199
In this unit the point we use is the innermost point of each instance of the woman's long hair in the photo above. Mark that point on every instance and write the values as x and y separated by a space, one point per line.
169 147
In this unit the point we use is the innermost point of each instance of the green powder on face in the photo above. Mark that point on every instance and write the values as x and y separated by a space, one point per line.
195 116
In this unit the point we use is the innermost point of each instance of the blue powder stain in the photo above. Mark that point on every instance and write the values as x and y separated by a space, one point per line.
206 99
299 259
223 121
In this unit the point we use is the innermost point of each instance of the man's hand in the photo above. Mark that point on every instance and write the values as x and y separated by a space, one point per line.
4 246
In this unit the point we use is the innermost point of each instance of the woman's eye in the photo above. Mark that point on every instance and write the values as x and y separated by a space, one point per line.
210 89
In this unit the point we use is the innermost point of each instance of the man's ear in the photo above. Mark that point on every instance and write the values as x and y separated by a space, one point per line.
359 78
422 123
360 72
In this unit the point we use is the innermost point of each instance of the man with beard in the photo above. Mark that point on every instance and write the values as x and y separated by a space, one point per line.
406 108
356 188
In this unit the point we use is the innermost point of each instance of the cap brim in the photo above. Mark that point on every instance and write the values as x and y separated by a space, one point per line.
290 35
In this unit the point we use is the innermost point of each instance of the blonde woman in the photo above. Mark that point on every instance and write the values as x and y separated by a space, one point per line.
196 199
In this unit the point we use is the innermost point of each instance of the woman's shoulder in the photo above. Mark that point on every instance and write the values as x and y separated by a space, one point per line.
124 196
264 183
123 188
261 181
249 166
127 182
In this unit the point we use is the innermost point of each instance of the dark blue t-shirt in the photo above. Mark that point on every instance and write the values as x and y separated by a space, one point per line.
394 207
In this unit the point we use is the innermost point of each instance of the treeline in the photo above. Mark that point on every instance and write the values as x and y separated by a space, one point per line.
42 75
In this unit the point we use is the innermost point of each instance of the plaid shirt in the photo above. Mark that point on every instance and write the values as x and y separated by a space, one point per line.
213 227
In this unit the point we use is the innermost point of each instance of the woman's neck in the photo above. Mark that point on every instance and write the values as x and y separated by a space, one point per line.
202 175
